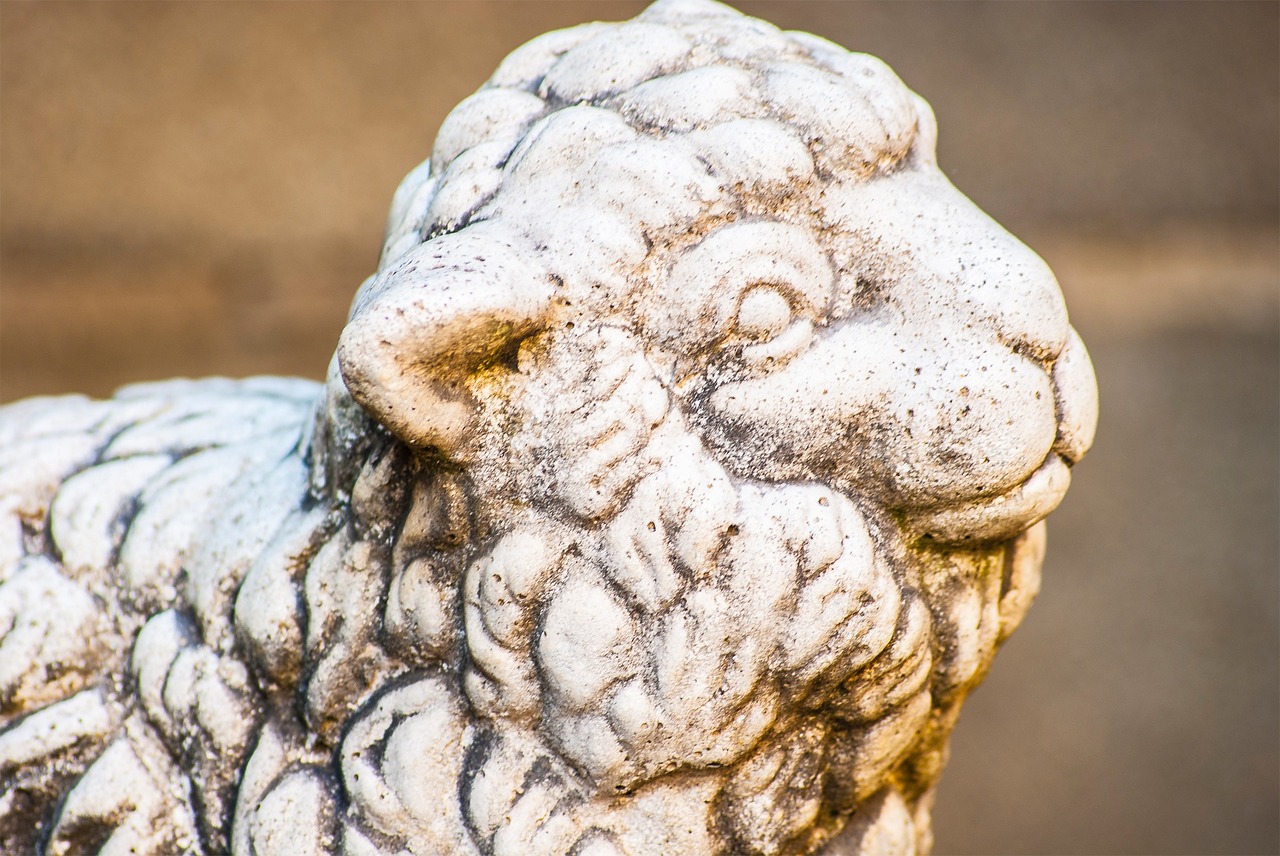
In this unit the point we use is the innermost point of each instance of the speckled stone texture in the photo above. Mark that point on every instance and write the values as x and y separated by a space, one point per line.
677 475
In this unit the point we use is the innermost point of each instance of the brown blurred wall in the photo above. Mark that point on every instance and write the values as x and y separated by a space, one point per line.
188 189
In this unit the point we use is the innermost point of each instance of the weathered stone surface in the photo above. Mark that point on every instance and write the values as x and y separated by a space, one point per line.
680 471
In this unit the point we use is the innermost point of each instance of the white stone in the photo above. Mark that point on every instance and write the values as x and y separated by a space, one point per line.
678 474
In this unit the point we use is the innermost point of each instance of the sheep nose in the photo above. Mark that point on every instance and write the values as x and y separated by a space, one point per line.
1075 392
1032 316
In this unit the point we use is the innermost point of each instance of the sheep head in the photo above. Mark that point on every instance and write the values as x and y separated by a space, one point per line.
764 212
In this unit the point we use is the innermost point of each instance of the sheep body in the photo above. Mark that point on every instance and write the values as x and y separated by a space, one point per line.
677 475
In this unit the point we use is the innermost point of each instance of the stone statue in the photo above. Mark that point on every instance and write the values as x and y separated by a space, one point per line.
677 475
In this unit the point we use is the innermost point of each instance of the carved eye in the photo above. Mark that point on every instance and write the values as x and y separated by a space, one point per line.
763 313
773 332
758 283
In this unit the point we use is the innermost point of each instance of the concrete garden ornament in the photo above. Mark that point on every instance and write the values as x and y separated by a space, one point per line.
677 475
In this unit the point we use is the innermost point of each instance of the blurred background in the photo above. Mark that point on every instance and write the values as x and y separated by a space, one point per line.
192 189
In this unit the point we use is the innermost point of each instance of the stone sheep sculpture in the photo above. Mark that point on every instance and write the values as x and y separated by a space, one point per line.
678 474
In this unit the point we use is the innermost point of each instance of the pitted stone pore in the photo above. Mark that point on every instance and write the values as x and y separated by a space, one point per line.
678 474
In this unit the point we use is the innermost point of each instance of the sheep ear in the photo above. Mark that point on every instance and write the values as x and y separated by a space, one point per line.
437 315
